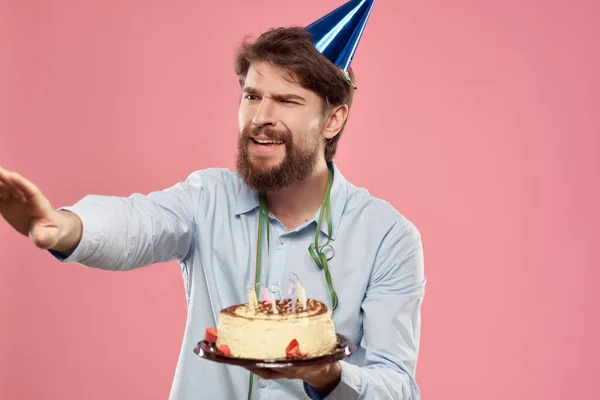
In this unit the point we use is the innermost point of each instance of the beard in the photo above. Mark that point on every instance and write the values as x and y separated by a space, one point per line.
297 164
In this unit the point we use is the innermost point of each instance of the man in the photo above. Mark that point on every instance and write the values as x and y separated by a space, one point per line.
294 105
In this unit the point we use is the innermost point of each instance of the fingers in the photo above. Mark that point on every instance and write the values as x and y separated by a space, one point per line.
22 188
28 189
4 178
267 373
283 373
8 190
4 192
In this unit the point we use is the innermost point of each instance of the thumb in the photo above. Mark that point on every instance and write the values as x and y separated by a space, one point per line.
43 236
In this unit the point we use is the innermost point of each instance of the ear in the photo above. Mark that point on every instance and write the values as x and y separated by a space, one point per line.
335 120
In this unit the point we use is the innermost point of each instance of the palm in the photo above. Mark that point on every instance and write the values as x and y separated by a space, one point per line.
24 207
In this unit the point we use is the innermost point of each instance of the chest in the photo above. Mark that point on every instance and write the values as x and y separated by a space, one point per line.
226 264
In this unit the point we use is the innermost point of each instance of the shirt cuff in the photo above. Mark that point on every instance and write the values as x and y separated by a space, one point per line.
311 392
90 238
348 388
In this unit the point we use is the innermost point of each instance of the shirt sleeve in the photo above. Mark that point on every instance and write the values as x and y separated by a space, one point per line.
391 324
124 233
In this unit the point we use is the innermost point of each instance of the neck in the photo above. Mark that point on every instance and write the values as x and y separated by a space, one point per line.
298 203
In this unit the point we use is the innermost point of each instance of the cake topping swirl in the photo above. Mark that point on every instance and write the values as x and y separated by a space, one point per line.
285 307
264 309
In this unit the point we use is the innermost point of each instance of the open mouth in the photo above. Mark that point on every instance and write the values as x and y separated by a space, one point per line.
267 143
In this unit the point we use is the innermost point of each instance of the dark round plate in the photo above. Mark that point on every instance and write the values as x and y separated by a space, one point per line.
343 349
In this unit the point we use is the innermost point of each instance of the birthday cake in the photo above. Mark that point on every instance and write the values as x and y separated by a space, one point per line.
274 329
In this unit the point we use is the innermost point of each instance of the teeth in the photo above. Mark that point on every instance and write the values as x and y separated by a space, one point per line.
268 141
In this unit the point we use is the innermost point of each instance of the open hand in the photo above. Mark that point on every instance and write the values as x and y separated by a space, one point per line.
24 207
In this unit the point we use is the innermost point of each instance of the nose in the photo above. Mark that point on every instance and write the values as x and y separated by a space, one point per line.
264 115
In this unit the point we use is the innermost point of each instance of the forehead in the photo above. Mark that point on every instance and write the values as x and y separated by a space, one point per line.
269 78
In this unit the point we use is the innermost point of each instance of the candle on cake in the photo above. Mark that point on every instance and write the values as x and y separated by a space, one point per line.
293 294
252 300
301 295
281 297
274 306
304 299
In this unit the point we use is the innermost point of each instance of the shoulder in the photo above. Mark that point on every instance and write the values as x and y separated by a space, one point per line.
220 191
217 183
214 178
381 215
214 189
398 247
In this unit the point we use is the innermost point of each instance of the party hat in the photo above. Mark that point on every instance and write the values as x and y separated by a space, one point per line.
337 34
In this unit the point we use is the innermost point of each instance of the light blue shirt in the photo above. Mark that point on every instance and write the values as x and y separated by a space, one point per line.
209 225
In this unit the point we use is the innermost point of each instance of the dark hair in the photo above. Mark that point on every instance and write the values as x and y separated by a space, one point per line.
292 49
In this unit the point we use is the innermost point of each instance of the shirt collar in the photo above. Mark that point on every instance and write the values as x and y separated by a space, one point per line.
247 201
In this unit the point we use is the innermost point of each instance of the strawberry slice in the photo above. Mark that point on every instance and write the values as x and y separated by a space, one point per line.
293 350
224 350
210 335
292 346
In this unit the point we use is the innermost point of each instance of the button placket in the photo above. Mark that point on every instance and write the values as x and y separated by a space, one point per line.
278 261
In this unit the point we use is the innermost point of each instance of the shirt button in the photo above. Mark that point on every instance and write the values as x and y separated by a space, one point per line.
263 384
282 240
274 289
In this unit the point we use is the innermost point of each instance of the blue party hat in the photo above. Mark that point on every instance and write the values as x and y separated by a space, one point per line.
337 34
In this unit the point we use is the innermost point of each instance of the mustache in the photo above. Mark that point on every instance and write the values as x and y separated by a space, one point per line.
270 133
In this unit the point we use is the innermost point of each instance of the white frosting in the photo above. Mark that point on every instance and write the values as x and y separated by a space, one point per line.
256 335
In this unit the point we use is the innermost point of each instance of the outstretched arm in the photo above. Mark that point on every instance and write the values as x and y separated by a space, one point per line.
105 232
125 233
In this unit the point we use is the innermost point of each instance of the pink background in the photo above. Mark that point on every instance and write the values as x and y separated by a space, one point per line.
479 120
